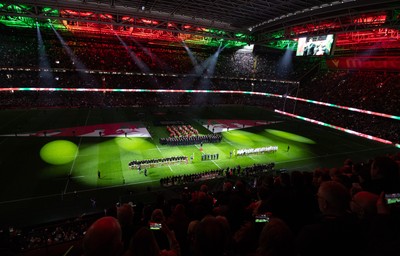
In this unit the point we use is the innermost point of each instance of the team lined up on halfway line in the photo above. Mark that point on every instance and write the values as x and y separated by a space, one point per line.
248 151
156 162
138 164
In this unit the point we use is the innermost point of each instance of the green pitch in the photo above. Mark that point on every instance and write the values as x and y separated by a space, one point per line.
52 177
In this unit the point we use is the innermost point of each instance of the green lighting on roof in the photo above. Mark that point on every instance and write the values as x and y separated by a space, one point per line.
14 8
241 36
208 41
278 34
49 10
282 44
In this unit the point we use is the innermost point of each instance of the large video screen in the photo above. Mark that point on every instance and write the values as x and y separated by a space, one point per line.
315 46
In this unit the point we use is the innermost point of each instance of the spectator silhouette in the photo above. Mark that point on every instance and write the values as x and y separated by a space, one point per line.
384 175
125 215
103 238
201 203
239 201
276 239
179 222
363 205
191 235
144 243
337 231
157 216
210 237
384 233
223 198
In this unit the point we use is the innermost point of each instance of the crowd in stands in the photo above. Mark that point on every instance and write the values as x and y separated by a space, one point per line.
376 126
371 90
337 211
331 211
51 234
198 139
19 49
108 64
110 80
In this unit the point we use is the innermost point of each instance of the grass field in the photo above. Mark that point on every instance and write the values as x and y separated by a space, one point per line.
40 149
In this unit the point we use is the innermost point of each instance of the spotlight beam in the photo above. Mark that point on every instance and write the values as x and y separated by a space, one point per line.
159 62
80 67
142 66
45 75
191 56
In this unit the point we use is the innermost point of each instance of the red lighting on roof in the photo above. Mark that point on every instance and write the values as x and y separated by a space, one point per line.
315 27
124 18
107 16
75 13
147 21
378 19
381 38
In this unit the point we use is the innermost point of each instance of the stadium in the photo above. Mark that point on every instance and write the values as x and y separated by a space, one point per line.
154 103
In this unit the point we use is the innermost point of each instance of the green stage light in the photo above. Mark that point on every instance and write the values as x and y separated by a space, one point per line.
244 139
59 152
133 144
290 136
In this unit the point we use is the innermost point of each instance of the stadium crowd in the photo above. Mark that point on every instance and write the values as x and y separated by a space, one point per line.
339 211
305 212
107 64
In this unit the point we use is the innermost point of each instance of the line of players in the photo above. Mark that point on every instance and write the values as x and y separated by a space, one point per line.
248 151
159 161
209 156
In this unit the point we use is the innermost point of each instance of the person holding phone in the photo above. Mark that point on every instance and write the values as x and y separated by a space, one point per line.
160 230
383 234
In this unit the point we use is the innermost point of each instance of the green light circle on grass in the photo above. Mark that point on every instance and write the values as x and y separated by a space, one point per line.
241 138
290 136
58 152
132 144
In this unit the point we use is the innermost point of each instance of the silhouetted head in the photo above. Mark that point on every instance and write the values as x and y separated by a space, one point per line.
103 238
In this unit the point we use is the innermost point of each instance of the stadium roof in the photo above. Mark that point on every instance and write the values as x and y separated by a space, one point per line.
257 20
239 15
